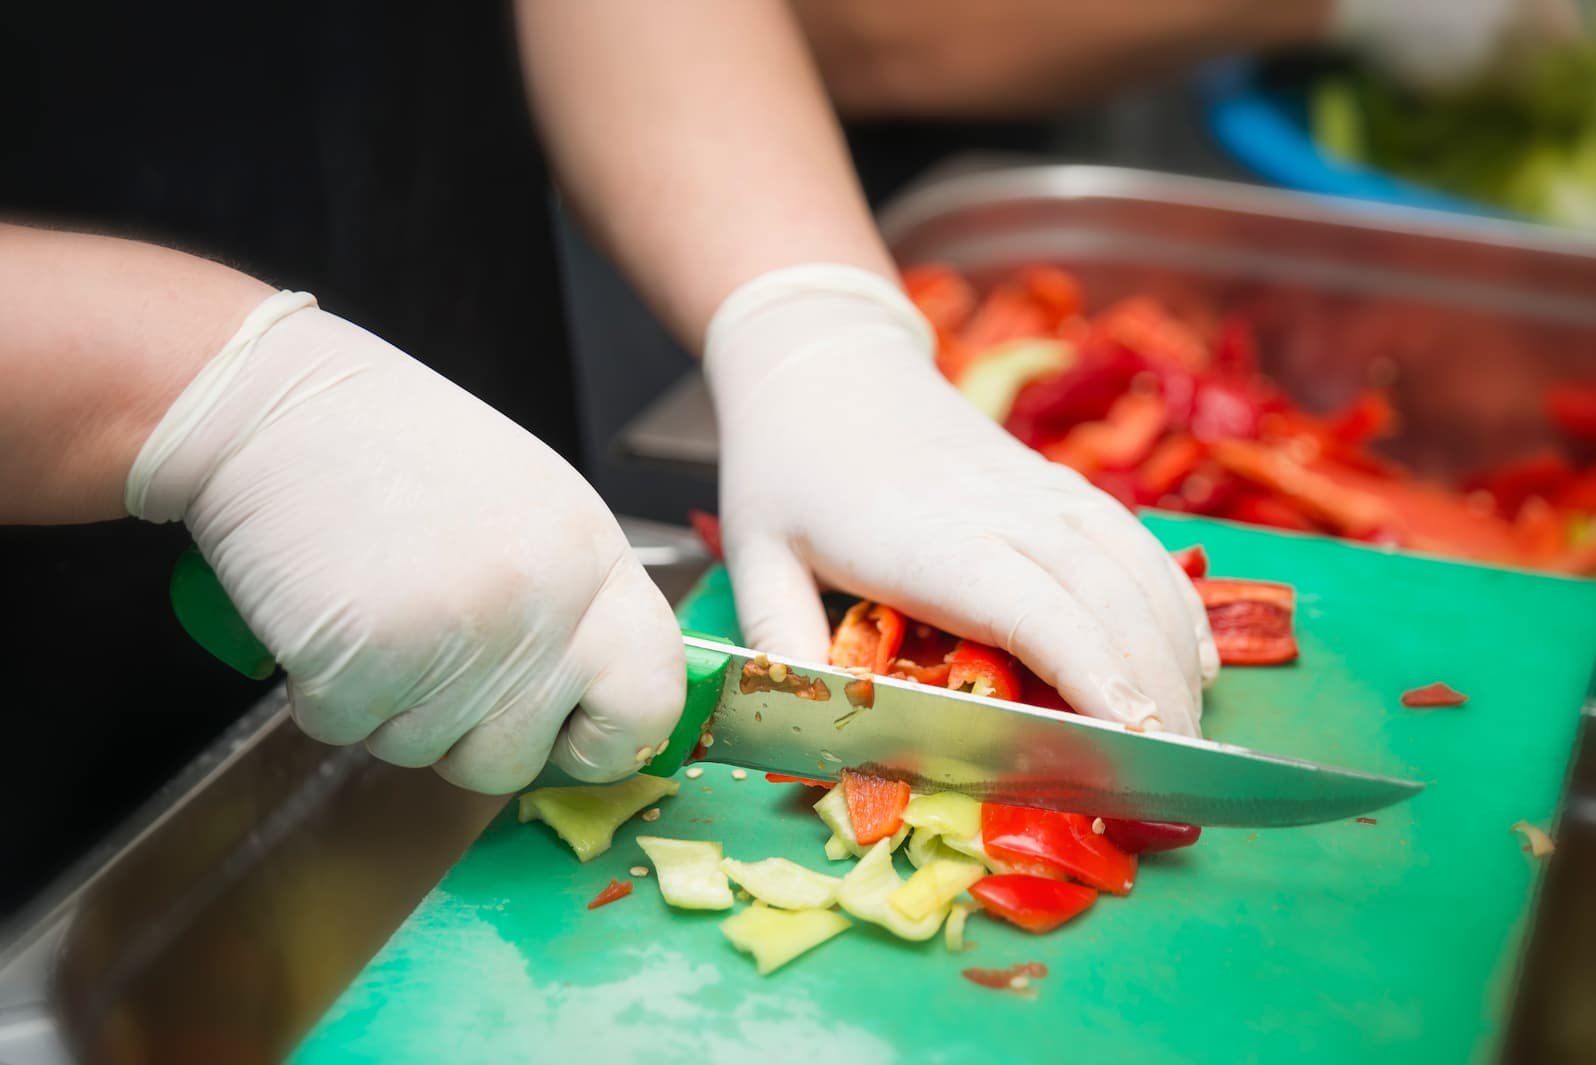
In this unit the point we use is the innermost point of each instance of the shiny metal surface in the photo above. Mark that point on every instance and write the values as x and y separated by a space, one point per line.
1466 321
225 916
940 740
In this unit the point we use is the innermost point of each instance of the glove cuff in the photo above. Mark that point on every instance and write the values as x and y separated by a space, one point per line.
785 312
192 409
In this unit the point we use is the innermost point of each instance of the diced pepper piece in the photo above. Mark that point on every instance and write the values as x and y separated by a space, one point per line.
783 884
586 817
1345 509
1572 408
616 889
1121 440
1053 289
1007 313
1175 458
941 293
1033 903
808 782
934 885
1048 843
984 670
947 813
926 846
707 526
1250 620
1193 559
1536 841
689 872
1149 837
1433 695
776 937
953 929
991 382
833 811
868 886
868 638
875 805
1141 324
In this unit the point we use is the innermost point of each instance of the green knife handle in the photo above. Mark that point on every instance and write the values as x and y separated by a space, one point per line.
706 673
211 620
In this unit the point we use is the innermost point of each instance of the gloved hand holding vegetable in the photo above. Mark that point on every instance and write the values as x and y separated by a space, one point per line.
847 458
1441 44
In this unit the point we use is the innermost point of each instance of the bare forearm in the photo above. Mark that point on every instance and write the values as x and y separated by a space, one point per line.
97 338
1008 58
695 141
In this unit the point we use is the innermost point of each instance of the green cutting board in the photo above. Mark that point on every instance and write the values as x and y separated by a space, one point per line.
1394 941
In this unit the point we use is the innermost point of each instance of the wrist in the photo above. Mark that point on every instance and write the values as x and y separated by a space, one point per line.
810 314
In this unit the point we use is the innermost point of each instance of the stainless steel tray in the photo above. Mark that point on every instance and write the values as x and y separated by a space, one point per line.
1467 320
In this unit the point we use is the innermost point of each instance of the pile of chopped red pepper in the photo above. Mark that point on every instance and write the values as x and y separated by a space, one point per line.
1161 413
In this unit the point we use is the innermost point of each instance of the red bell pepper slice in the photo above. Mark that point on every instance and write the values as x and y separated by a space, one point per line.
1250 620
1344 508
1433 695
1121 440
1175 458
1034 903
1049 407
1034 691
1149 837
875 805
616 889
808 782
1368 417
1142 325
1260 508
1007 313
1236 350
1193 560
941 294
1572 408
707 526
1546 474
1052 844
868 638
1053 289
979 664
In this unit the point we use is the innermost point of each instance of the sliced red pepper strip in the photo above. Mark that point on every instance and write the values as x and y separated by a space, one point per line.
875 805
1034 903
977 664
707 526
1121 440
1343 508
941 293
1193 559
1433 695
1250 620
1053 289
1572 408
868 638
1174 459
808 782
1008 313
1141 324
1052 844
1259 508
1149 837
1368 417
617 889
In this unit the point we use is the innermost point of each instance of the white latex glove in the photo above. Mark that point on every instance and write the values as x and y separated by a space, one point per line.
847 457
435 580
1441 44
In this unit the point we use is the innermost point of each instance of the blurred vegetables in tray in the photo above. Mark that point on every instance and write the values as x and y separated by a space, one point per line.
1162 413
1523 141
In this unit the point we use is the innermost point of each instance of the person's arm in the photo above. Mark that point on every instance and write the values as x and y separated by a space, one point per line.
1010 58
693 140
97 338
434 580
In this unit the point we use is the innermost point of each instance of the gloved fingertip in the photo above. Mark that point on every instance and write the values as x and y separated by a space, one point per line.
1207 656
778 603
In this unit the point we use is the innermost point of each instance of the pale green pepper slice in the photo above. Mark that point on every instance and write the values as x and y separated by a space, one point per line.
689 872
776 937
586 817
784 884
934 885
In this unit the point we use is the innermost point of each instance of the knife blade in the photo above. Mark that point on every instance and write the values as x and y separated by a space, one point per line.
778 715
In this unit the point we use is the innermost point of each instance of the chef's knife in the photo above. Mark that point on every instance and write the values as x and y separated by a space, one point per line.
778 715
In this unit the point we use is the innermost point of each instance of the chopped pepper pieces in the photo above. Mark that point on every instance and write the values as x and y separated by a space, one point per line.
1052 844
833 811
783 884
934 885
616 889
870 884
868 638
1433 695
689 873
586 817
1034 903
776 937
1250 620
983 670
875 805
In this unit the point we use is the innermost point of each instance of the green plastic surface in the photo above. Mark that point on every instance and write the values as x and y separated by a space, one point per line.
1390 942
706 672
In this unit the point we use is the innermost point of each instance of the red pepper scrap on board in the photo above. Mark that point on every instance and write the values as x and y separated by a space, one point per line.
1251 620
616 889
1433 695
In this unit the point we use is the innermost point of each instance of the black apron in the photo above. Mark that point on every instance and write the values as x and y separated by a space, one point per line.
378 155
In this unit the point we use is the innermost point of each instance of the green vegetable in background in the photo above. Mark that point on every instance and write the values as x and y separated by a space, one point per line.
1523 141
